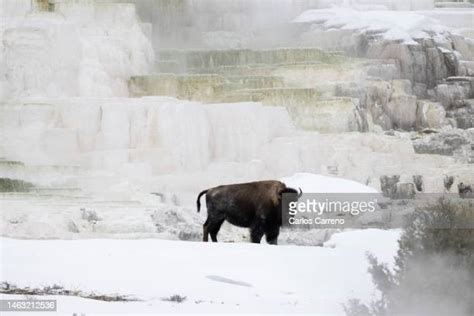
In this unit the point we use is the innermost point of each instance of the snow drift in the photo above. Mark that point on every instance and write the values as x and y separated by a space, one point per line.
315 183
394 25
213 277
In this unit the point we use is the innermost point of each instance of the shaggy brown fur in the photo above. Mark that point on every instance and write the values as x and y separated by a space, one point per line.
256 205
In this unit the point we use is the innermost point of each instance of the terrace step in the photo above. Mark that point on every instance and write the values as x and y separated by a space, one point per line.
243 70
191 87
253 82
325 115
205 88
253 69
276 96
54 191
168 66
14 185
210 59
19 170
307 108
460 79
453 4
69 200
10 165
16 165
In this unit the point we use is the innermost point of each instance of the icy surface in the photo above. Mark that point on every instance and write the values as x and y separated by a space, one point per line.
213 277
388 4
393 25
315 183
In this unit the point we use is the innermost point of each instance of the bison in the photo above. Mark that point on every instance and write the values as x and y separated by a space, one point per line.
256 205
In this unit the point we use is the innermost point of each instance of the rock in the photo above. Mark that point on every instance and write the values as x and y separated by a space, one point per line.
374 182
402 110
72 227
190 232
393 50
428 62
405 190
418 181
373 97
397 187
465 191
464 46
402 86
420 90
89 216
451 62
452 94
425 63
466 68
430 115
385 71
463 116
445 143
388 185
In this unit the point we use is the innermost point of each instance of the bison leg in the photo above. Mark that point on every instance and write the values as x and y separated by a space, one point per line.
205 231
256 233
214 229
272 236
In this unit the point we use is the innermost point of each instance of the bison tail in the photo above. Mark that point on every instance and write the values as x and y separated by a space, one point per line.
291 190
198 203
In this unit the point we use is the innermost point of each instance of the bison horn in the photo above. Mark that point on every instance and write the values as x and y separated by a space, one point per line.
300 194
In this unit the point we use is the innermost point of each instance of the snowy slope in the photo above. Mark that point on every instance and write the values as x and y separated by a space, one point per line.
394 25
316 183
220 277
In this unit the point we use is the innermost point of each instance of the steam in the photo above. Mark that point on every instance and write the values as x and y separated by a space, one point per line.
215 24
434 285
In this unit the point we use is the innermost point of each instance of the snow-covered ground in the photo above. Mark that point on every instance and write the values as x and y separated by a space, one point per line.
316 183
222 277
393 24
